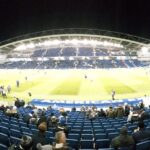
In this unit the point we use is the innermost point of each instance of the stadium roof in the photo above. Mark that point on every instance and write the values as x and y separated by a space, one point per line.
129 42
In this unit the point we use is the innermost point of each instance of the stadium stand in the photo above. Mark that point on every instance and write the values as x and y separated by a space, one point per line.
83 132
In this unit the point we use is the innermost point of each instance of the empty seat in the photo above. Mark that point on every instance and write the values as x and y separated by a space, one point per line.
4 130
87 136
73 143
87 132
112 135
73 136
102 143
101 136
4 139
143 145
3 147
14 140
87 144
15 133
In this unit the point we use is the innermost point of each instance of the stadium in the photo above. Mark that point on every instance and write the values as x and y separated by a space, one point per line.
76 64
68 79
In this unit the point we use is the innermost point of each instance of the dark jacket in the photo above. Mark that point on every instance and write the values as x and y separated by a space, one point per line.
141 135
122 141
39 138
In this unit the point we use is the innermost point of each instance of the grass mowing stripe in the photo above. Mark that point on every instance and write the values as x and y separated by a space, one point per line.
113 84
70 86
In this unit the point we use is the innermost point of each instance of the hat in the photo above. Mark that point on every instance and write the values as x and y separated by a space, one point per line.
123 130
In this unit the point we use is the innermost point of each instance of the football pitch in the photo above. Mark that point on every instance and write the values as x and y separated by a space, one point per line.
93 84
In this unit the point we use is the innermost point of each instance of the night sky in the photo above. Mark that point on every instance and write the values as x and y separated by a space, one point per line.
18 17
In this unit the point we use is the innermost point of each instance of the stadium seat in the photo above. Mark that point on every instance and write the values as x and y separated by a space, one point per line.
106 149
4 130
101 136
15 133
73 143
73 136
4 139
3 147
143 145
87 136
112 135
86 144
102 143
14 140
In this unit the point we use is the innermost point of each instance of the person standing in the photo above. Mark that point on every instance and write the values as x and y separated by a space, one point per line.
113 94
17 83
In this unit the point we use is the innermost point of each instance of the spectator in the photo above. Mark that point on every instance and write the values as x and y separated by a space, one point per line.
110 113
60 142
40 137
141 134
52 120
61 126
26 142
123 140
44 147
42 119
101 113
120 112
141 105
127 110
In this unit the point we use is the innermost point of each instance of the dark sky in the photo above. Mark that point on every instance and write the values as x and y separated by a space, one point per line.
18 17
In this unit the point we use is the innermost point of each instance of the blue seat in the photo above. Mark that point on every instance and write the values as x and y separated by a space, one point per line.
110 130
3 147
4 139
15 133
101 136
75 131
87 136
25 129
27 133
96 131
102 143
34 131
143 145
49 134
87 132
73 136
73 143
4 130
14 140
87 144
5 124
13 126
106 149
112 135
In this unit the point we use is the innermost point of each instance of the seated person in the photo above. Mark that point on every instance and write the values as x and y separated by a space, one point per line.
60 141
123 140
141 134
40 137
61 126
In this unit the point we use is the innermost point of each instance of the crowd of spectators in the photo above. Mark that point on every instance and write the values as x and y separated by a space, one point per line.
59 122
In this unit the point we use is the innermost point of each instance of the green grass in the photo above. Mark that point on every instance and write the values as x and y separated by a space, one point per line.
71 84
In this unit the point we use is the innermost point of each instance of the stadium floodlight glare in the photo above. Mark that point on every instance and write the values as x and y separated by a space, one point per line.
20 47
67 42
31 45
144 50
